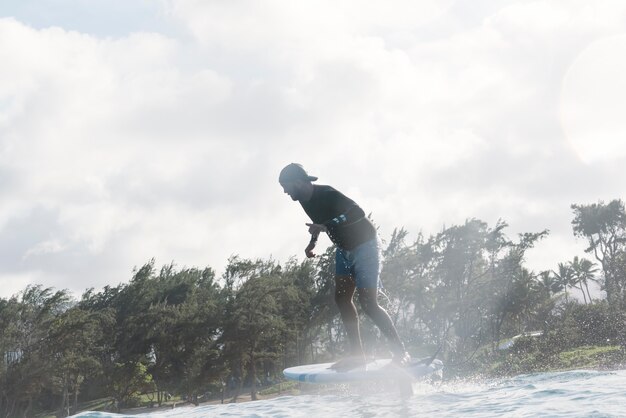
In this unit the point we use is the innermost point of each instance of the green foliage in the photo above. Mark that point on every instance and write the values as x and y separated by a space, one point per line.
187 333
591 357
604 228
128 381
598 324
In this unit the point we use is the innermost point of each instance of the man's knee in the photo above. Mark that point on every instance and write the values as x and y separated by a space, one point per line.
368 303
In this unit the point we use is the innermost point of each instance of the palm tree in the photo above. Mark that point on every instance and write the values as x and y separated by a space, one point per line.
549 283
564 278
584 271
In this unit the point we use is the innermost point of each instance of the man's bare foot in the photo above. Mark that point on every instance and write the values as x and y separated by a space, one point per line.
348 363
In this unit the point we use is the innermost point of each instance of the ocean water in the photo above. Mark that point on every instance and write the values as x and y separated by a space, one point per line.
564 394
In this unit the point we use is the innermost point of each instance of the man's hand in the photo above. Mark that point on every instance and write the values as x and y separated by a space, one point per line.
309 250
314 230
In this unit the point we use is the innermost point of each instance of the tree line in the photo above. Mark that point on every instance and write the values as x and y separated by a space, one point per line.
189 332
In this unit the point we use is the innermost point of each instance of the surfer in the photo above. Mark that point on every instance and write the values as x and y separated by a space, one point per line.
358 258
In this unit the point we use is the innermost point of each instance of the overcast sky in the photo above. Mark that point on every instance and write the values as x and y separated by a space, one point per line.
136 129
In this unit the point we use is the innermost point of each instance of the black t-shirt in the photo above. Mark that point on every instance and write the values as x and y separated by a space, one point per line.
326 203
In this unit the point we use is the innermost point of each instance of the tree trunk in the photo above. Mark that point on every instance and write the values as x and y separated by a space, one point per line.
75 406
240 385
331 343
609 288
10 407
63 410
28 407
499 323
587 287
252 376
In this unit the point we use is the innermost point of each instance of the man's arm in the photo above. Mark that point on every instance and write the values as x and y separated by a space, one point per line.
315 230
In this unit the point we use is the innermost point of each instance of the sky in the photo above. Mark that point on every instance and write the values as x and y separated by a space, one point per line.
136 129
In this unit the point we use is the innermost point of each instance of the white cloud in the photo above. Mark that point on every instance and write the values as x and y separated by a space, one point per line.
114 150
84 113
45 247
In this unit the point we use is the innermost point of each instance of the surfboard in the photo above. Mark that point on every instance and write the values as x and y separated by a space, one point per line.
375 370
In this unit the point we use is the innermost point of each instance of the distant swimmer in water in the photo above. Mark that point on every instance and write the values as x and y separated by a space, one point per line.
358 258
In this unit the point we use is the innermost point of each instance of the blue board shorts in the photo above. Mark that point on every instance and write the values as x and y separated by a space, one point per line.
362 263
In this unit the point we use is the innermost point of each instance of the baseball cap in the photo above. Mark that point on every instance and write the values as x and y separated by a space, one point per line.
293 172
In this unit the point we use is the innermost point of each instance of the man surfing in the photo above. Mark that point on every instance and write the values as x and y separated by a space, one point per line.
358 259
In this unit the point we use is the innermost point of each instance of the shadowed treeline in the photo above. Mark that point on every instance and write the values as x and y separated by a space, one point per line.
187 332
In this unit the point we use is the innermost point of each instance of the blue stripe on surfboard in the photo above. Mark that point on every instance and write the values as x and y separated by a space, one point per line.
304 377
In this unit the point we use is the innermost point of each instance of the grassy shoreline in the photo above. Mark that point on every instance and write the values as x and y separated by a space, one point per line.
525 361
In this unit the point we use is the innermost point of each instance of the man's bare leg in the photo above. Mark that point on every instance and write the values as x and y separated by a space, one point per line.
344 293
369 301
